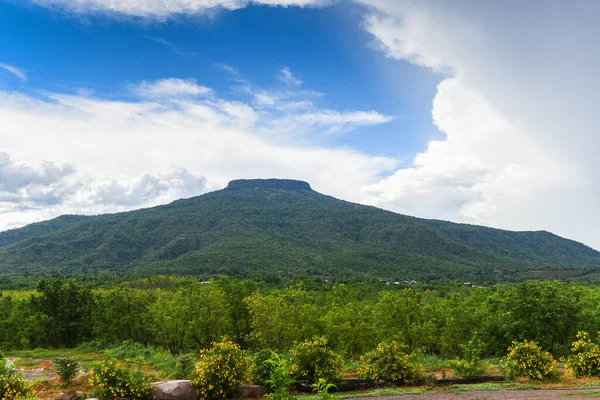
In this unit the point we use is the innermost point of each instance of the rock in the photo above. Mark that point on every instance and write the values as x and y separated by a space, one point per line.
174 390
73 396
252 391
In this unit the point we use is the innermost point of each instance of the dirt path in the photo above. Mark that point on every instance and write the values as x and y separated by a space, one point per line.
572 394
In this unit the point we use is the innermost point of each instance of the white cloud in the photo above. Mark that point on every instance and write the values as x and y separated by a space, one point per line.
287 78
171 87
329 121
18 177
517 107
15 71
124 151
160 9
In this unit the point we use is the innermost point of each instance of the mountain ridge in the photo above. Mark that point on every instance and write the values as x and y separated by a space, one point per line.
274 226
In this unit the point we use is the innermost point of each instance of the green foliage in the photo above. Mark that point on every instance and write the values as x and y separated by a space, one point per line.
322 388
470 364
585 360
65 311
313 360
400 317
184 367
390 362
546 312
280 379
67 368
12 383
110 381
349 322
191 317
282 317
527 359
175 367
281 229
122 314
262 367
220 371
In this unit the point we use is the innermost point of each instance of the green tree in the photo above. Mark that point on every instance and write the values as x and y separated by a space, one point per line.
399 315
67 308
349 322
282 317
170 318
209 318
123 314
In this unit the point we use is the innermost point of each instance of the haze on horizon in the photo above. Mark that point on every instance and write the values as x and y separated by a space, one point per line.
481 112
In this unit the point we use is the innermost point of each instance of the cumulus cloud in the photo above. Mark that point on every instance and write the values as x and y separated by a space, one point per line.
192 143
516 106
160 9
15 71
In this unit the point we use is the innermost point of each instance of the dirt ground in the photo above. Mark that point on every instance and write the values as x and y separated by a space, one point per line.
572 394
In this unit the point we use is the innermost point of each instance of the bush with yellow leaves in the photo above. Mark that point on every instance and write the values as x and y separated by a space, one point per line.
527 359
313 360
12 383
585 360
220 371
390 362
110 381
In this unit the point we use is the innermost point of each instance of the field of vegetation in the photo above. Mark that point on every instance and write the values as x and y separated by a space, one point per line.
313 330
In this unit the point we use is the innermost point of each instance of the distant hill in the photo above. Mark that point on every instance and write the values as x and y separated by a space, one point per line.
258 227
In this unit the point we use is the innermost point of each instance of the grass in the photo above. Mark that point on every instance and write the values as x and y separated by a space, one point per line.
27 363
493 386
371 393
587 393
86 360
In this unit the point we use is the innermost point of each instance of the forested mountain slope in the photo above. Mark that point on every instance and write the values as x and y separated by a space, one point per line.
257 227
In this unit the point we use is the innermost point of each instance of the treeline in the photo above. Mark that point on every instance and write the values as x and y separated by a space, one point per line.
186 315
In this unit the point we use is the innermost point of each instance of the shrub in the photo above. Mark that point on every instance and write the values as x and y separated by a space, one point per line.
220 371
390 362
184 366
470 364
67 368
527 359
110 381
261 368
585 360
313 360
322 388
279 379
12 383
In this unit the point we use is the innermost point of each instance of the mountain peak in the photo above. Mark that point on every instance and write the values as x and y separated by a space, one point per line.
287 184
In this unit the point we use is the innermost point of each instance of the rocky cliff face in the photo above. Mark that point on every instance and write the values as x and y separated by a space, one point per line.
287 184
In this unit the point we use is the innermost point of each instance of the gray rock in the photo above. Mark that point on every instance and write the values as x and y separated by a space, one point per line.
252 391
73 396
174 390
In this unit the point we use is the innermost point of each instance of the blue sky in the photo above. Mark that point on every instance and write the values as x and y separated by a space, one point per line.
479 112
325 48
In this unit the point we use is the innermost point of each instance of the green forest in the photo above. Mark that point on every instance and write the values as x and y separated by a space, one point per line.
283 228
185 315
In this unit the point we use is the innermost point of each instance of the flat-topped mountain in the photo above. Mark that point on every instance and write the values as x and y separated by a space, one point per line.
273 226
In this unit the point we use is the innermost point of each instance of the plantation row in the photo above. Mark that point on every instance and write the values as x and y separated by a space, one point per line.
186 316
